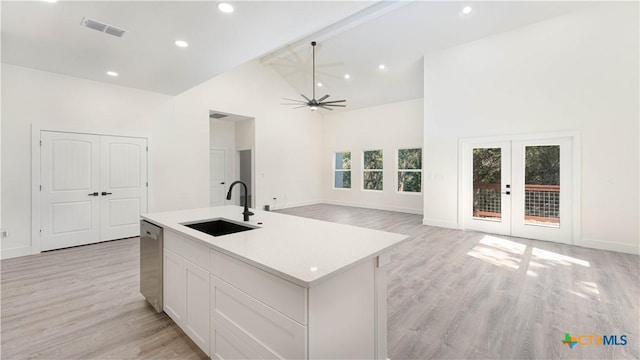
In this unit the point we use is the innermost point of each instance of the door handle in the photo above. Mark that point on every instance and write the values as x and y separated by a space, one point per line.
104 193
222 183
94 194
507 192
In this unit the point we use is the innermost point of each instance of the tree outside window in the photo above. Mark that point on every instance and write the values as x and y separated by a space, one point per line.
342 170
410 170
372 170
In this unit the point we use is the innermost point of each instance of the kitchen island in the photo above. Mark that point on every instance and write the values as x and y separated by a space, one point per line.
289 287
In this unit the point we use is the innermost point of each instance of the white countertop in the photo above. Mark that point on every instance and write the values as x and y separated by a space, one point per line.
301 250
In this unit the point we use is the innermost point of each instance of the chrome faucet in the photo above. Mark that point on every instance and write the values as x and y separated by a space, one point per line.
246 211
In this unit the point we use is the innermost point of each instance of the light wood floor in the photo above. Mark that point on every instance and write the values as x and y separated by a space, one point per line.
452 295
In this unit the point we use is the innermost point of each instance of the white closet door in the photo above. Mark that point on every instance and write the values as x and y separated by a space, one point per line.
123 186
217 188
69 197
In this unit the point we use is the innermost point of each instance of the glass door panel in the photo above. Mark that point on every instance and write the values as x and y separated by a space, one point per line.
542 185
542 189
487 178
487 183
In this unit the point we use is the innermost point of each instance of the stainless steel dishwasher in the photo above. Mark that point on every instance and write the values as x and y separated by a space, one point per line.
151 263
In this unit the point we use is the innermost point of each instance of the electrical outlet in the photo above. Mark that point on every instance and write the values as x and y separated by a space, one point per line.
4 233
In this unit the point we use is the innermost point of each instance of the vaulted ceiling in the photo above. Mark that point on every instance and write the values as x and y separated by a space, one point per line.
355 38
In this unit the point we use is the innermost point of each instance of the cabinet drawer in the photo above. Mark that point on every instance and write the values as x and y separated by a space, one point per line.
229 342
187 248
254 320
282 295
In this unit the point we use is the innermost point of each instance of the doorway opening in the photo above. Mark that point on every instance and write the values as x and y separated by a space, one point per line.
228 135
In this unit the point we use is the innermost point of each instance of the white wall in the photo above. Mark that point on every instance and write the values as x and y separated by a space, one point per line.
62 102
576 72
287 141
388 127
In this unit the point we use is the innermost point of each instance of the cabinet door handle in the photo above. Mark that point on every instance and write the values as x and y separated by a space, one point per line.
222 183
104 193
94 194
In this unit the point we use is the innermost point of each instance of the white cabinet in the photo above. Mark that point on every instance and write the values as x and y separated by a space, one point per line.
245 322
186 290
173 290
233 310
196 321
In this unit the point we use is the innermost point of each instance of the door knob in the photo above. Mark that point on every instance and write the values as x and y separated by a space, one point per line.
104 193
222 183
94 194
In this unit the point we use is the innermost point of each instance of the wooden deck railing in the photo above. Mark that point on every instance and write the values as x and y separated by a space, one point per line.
528 188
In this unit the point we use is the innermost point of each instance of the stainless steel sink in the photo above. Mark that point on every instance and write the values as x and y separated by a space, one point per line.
218 227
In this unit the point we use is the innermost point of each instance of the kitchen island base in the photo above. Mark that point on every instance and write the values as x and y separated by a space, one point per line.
285 288
233 310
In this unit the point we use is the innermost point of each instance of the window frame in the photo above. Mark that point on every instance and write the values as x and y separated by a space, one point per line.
371 170
398 170
335 169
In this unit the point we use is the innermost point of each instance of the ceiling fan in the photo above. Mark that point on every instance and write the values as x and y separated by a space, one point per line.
312 103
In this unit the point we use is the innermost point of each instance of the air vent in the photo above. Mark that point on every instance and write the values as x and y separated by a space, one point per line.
217 115
102 27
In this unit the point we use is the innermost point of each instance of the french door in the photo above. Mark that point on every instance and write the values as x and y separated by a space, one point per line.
93 188
519 188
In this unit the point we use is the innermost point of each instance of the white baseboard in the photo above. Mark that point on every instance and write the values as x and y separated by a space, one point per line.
291 205
440 223
15 252
611 246
373 206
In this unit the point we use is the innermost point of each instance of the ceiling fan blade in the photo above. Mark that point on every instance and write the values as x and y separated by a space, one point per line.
333 105
326 108
298 107
306 98
300 101
297 104
334 101
322 98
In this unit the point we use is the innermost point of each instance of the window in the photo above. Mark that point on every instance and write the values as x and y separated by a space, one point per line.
372 170
410 170
342 170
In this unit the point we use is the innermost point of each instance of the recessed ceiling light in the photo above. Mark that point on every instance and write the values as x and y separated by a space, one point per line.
225 7
319 84
112 73
347 76
381 67
466 10
181 43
